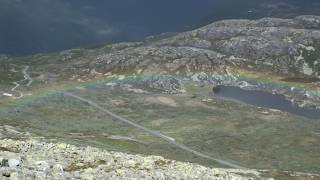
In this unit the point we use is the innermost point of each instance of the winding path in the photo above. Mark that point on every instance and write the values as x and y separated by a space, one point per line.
17 84
154 133
27 76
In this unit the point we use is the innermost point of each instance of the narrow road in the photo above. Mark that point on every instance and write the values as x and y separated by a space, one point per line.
155 133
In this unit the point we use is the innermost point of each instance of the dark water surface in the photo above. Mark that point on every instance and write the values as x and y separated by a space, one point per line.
264 99
33 26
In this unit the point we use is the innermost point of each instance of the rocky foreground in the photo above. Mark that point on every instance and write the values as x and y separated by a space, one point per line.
37 160
32 159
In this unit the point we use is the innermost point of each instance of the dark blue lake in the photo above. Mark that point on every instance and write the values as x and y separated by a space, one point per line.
264 99
33 26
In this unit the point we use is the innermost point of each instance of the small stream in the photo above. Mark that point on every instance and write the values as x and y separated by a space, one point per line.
264 99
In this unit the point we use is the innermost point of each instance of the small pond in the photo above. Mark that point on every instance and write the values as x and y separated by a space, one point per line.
264 99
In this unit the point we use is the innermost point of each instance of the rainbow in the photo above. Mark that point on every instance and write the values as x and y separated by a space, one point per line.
66 86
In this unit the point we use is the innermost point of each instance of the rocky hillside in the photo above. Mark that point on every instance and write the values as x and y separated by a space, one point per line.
286 46
289 47
38 160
